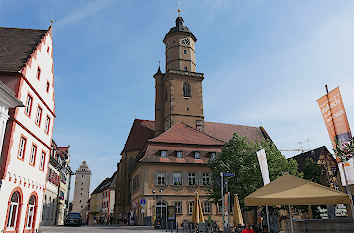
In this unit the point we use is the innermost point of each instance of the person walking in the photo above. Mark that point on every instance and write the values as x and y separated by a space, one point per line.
248 229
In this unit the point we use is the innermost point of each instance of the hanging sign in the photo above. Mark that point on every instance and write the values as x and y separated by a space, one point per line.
333 112
262 159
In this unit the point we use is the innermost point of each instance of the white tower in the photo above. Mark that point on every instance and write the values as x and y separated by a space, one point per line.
82 189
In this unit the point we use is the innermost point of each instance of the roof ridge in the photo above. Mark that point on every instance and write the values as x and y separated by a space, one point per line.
232 124
30 29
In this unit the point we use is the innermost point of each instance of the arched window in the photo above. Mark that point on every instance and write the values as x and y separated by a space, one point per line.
31 211
186 89
13 211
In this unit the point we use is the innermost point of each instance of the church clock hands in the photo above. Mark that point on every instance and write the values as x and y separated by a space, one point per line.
185 41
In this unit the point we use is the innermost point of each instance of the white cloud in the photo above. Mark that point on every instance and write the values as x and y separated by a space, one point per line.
90 9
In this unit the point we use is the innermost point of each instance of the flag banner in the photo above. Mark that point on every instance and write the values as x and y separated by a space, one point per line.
262 159
349 171
333 112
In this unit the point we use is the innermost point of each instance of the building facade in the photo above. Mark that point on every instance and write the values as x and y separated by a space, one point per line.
26 67
56 195
164 162
102 199
82 189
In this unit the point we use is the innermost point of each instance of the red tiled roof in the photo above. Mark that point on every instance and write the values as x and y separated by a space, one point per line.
152 153
17 46
143 130
140 133
181 133
224 132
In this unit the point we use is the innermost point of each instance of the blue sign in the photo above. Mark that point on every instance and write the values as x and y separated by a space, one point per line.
142 202
228 174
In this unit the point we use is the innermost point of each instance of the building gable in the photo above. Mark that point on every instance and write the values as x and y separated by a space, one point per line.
17 46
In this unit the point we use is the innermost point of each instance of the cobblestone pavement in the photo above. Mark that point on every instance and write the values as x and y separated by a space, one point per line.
100 229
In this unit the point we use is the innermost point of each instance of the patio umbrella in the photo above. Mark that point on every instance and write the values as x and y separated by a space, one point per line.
197 216
238 219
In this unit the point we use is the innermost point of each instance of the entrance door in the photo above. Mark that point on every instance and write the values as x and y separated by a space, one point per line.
161 214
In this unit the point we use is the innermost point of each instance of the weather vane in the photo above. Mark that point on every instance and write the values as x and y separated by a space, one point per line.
179 8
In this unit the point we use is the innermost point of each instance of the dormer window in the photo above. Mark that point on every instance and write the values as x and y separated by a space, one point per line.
163 154
213 155
196 154
185 68
179 154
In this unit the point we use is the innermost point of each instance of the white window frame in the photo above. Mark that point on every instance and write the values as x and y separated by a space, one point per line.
219 205
197 154
206 178
192 179
207 207
47 124
163 153
178 206
13 208
33 155
21 150
190 207
28 107
30 214
179 154
161 178
177 178
41 165
39 116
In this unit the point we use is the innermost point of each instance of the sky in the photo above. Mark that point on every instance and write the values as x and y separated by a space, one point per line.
265 63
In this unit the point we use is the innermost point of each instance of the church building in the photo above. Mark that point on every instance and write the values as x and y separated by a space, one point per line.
165 161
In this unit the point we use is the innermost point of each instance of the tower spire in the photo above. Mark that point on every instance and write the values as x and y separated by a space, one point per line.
179 9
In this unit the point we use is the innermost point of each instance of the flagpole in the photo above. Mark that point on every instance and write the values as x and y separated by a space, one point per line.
347 186
222 201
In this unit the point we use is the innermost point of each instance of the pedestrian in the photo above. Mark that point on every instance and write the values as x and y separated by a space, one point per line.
120 219
248 229
265 229
126 219
110 219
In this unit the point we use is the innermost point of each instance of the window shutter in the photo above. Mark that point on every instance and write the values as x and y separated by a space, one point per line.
199 178
170 178
155 178
185 179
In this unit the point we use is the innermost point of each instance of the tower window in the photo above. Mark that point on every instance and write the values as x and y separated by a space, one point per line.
186 89
185 51
185 68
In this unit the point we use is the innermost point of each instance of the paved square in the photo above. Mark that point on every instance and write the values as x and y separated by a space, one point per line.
100 229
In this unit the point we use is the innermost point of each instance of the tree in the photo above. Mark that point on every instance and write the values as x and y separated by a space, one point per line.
239 156
312 171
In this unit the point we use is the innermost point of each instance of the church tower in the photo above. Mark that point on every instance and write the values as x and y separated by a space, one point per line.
179 90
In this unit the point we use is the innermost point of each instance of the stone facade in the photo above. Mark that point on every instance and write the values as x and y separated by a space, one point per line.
82 189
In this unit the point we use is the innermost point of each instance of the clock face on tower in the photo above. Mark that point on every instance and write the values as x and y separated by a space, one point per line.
185 41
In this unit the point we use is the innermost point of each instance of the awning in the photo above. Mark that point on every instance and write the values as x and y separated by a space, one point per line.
292 190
